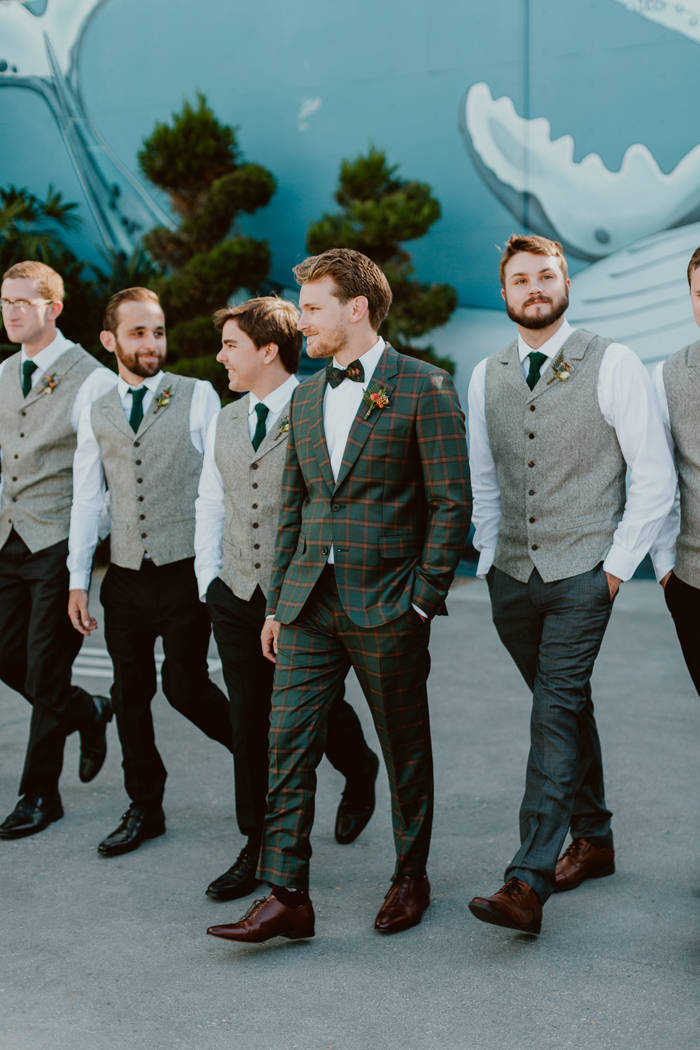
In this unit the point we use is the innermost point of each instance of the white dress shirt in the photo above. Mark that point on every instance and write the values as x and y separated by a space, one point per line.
89 485
628 404
663 551
210 506
97 383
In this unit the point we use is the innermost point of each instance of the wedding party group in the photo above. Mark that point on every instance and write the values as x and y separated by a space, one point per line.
316 527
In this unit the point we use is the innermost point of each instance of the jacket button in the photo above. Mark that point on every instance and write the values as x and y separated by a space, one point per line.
257 565
531 436
139 480
325 550
143 535
137 444
256 546
532 520
335 507
531 463
138 462
533 407
255 525
254 466
532 493
140 499
255 484
535 546
255 506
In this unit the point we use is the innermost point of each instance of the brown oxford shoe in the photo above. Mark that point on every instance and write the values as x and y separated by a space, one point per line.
582 861
403 905
269 918
516 906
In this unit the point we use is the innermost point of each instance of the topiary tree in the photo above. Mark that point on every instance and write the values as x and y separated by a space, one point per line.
196 160
379 211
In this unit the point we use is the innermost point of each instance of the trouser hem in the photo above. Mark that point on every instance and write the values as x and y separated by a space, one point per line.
543 885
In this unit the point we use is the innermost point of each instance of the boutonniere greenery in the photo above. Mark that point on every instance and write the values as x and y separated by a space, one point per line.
163 399
376 397
562 368
284 427
49 384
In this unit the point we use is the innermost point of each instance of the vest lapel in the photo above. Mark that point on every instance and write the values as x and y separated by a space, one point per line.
572 349
317 432
113 411
168 382
361 429
693 361
239 425
514 369
61 366
274 436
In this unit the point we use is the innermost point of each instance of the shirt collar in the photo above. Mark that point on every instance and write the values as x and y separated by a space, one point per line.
369 359
46 357
151 384
276 399
551 347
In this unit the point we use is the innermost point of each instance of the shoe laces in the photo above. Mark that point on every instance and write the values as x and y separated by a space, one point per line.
255 906
514 887
398 892
573 849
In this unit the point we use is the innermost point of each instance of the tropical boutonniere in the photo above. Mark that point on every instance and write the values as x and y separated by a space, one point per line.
562 368
163 399
376 397
49 384
283 427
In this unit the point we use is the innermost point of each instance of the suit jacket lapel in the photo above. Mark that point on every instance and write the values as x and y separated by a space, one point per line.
361 429
317 432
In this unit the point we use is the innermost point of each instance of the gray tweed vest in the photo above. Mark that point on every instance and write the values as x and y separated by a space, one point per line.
38 445
253 483
560 468
152 475
682 383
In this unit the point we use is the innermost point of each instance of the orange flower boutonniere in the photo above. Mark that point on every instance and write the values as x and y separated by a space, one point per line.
376 397
49 384
163 399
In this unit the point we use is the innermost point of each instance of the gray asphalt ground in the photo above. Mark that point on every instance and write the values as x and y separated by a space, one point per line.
112 955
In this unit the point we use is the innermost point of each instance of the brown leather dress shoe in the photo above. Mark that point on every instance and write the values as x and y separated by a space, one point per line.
582 861
269 918
516 906
403 905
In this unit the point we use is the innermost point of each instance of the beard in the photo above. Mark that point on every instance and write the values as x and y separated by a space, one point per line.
557 308
329 344
135 364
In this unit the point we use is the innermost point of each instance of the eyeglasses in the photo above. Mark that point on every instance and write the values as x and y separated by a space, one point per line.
24 304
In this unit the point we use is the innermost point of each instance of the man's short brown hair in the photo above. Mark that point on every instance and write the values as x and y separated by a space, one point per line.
353 274
694 263
533 245
127 295
50 282
268 319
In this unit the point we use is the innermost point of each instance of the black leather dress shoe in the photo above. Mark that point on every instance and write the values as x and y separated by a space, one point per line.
356 807
135 828
239 880
31 814
93 740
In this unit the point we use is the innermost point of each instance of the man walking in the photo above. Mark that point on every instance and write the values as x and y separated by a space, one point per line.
676 552
145 441
375 513
555 420
43 390
237 510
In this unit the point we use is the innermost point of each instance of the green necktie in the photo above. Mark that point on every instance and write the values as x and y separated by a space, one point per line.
136 416
536 361
28 370
261 412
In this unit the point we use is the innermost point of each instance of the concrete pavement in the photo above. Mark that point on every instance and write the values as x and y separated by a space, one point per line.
111 954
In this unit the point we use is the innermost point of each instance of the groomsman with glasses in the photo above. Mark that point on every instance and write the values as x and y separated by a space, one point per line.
555 421
676 552
144 440
43 390
240 494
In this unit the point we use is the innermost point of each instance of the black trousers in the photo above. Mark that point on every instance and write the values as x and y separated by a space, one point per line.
37 648
249 676
140 605
683 603
554 632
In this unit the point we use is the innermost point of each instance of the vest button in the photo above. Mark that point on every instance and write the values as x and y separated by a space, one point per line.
138 461
531 463
532 493
531 436
14 499
24 412
535 546
257 565
14 479
256 546
21 435
255 525
255 506
137 444
255 484
532 520
140 480
142 517
16 456
253 466
143 535
335 507
140 499
533 407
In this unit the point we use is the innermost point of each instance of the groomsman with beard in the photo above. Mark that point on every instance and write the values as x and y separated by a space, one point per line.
240 493
555 421
144 440
43 390
676 552
374 520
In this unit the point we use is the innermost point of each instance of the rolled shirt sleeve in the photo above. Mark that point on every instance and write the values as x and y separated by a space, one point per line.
486 515
210 512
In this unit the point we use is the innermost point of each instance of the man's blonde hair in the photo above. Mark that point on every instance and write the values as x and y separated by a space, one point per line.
50 282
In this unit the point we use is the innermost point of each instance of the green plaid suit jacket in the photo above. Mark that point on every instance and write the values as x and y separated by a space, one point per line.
398 515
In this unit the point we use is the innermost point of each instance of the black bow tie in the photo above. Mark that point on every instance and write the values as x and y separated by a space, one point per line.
354 372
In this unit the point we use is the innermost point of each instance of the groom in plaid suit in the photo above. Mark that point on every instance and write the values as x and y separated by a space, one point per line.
375 516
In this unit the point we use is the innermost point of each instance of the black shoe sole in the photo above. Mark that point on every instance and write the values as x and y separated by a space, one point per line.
118 851
494 917
30 831
601 873
244 890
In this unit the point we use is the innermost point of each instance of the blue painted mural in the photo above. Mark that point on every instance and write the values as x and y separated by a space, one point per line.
572 117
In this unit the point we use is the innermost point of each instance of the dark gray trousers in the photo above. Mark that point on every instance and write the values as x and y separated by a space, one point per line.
554 632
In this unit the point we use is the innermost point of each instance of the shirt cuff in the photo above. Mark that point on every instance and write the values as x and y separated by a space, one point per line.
621 563
270 616
79 581
486 557
663 563
419 611
204 581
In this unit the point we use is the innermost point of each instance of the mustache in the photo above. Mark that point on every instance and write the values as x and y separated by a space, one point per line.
538 299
